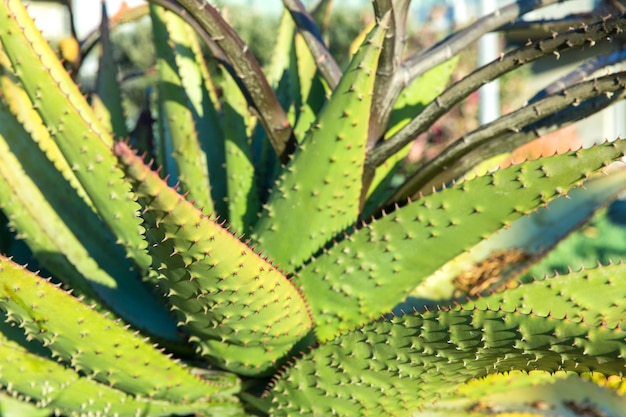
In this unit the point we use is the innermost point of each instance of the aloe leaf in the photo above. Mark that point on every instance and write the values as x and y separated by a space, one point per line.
205 106
300 89
403 365
411 101
96 345
13 407
299 86
66 237
61 390
325 62
596 299
360 37
205 270
280 59
107 100
518 246
280 77
191 161
350 284
42 382
237 122
310 199
307 89
82 139
419 93
17 102
26 207
245 69
533 394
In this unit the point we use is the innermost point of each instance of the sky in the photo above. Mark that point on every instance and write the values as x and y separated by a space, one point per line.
89 12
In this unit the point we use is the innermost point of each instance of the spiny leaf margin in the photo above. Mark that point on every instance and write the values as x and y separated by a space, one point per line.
318 195
373 269
242 312
400 366
96 345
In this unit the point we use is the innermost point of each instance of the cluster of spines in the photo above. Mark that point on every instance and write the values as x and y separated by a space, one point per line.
82 139
95 345
404 364
368 273
317 197
238 307
53 217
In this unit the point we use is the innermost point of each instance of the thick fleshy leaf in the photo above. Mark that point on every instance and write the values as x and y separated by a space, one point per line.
242 195
84 142
318 196
107 99
510 251
352 282
403 365
46 386
99 346
62 231
533 394
179 127
306 87
240 310
412 100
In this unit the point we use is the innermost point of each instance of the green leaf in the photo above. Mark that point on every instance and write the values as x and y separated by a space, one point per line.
518 246
12 407
205 106
373 269
66 236
98 346
280 59
533 394
244 65
593 296
242 197
410 103
179 124
46 383
403 365
18 103
419 93
318 195
307 88
84 142
107 100
240 310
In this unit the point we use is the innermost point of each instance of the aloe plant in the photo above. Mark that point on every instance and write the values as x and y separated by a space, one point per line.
173 282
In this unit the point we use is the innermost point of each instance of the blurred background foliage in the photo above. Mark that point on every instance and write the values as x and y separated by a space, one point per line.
603 238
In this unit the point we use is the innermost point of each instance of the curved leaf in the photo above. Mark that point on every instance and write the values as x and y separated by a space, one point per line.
399 366
240 310
65 235
82 139
99 346
43 382
318 195
373 269
178 120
